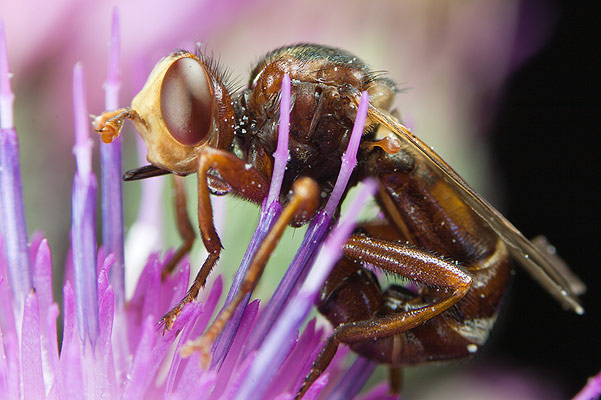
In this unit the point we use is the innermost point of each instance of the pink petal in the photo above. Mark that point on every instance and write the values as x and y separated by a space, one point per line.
70 359
178 365
106 314
241 373
50 349
11 369
31 350
42 277
380 392
110 165
232 358
293 368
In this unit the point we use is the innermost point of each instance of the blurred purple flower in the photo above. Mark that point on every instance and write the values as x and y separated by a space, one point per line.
592 389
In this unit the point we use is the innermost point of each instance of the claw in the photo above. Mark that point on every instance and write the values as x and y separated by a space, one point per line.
167 321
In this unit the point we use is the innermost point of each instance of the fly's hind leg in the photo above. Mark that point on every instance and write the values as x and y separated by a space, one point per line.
415 326
184 226
325 358
319 365
353 301
412 263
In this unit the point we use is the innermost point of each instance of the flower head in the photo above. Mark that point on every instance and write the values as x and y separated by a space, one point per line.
111 350
110 346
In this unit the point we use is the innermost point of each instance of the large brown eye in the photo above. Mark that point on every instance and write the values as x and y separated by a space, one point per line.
186 101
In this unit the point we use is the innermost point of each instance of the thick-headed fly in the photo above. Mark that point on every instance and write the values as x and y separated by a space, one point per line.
437 231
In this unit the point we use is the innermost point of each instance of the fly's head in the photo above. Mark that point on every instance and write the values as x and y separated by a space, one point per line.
182 107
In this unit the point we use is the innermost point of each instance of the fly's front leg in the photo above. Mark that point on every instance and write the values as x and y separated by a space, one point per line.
244 180
305 199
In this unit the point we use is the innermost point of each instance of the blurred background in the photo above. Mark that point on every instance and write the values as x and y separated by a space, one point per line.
545 141
502 89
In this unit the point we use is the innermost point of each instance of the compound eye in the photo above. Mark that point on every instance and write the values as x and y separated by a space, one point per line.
187 101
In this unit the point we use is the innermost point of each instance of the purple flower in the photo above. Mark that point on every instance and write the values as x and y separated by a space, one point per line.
110 349
113 350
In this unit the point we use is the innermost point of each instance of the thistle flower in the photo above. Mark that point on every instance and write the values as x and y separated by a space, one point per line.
110 350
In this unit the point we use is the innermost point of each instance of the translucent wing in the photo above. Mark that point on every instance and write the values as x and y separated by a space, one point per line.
537 259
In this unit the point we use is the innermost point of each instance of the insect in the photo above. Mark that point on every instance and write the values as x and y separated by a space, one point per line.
437 231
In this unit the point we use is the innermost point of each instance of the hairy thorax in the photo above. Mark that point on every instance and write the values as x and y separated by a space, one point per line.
325 84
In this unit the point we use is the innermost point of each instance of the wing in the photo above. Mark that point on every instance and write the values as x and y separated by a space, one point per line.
538 259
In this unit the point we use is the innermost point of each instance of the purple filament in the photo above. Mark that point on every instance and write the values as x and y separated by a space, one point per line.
313 237
354 380
274 349
110 178
270 211
280 157
13 229
287 287
83 237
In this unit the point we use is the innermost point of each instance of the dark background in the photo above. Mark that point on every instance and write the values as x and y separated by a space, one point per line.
545 143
